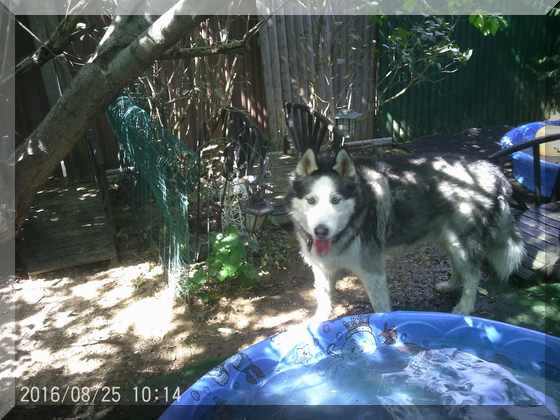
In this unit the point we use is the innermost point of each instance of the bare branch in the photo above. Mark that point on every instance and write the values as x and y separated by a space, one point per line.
233 47
64 33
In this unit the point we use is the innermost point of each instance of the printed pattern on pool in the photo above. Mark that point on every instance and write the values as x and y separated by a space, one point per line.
398 358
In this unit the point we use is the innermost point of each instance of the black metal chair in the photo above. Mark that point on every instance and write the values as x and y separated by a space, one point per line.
535 145
536 225
98 166
247 151
309 129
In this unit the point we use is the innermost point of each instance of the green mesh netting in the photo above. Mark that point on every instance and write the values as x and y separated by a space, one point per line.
162 174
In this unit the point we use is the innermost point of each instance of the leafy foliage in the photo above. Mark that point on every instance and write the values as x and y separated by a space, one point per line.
274 248
488 24
229 260
547 68
423 51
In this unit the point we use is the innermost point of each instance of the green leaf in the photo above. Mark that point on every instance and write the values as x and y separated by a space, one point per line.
253 246
214 270
250 272
232 230
199 277
228 270
410 4
204 296
488 24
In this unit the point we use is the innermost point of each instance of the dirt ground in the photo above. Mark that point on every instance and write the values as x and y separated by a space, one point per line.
105 329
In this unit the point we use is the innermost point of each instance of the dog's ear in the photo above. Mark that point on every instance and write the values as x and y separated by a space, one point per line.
343 164
307 164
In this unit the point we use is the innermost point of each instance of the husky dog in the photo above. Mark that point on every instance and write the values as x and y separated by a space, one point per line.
349 214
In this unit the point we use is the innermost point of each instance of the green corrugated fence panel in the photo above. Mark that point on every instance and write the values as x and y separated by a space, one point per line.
497 86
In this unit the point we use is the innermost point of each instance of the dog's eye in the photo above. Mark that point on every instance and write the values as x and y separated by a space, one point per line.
311 200
335 200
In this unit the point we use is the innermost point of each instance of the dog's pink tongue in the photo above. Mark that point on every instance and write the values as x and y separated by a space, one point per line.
322 246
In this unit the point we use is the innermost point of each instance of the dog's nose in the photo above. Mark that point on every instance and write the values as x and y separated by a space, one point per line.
321 232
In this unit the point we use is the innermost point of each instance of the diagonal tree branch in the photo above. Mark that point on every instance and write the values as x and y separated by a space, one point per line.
90 92
64 33
231 47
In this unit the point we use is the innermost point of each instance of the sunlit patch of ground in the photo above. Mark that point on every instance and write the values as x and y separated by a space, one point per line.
121 325
94 326
75 324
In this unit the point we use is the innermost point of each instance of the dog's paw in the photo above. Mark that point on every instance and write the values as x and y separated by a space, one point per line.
323 313
462 309
444 287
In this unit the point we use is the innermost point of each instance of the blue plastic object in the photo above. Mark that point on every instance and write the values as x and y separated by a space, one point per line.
349 360
523 160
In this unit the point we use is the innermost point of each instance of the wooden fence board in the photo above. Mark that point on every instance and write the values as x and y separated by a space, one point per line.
66 227
539 230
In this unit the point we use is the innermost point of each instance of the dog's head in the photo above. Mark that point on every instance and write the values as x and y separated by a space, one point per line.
321 198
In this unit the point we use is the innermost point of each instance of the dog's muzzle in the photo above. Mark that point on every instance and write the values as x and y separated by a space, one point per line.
320 241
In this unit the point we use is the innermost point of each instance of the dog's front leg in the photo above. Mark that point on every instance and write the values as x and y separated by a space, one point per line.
375 283
324 283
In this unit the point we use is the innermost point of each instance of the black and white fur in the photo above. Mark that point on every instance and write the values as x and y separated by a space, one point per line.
349 214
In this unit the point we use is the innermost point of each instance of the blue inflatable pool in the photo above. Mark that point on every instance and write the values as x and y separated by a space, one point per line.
523 160
375 364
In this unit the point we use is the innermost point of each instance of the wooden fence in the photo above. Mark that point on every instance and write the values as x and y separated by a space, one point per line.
313 60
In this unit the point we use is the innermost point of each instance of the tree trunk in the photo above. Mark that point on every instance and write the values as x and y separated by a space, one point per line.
131 45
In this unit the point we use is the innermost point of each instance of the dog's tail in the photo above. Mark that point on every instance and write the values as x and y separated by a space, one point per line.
508 250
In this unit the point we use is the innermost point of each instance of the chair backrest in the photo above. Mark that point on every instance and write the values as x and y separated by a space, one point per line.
535 145
98 166
247 150
310 129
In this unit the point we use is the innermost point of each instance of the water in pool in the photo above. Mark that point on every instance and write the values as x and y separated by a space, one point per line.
363 371
432 377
